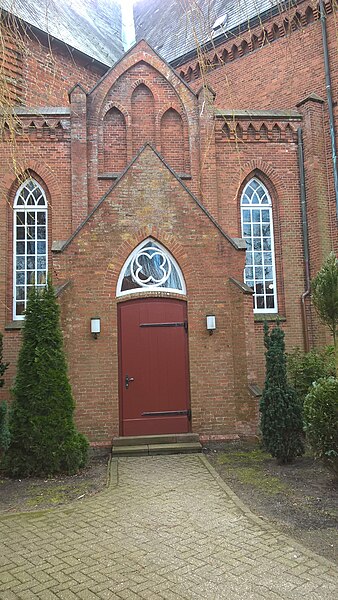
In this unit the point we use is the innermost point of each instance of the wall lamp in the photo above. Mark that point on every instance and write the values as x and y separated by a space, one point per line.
211 324
95 327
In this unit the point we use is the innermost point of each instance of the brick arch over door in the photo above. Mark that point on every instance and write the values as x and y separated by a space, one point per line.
143 117
172 139
114 141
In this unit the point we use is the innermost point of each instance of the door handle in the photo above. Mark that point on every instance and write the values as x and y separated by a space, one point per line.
128 380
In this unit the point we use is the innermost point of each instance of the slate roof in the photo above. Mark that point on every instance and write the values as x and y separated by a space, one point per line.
172 27
92 26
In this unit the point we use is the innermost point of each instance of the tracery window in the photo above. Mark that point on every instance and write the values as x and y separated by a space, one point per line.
257 230
30 243
150 267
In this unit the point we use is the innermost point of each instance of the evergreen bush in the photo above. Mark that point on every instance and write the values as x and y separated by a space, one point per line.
321 421
4 431
325 298
304 368
281 412
3 365
44 440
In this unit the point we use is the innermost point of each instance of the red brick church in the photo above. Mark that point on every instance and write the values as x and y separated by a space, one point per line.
179 192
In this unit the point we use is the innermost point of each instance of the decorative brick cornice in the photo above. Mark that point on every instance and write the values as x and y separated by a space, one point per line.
249 114
290 19
239 128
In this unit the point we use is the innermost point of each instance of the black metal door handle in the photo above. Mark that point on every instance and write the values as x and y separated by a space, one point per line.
127 380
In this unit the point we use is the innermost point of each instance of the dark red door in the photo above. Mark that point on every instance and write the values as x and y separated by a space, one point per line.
154 383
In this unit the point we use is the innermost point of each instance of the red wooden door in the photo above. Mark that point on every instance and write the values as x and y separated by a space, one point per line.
154 382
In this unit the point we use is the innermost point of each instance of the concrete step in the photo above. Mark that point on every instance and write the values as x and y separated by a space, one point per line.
145 440
176 443
152 449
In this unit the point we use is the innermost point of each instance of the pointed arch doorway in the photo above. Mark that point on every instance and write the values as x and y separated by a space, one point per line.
153 346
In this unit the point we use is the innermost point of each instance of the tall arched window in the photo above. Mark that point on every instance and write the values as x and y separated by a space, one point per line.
257 230
30 243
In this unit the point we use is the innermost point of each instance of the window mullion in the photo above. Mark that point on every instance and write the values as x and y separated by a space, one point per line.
256 198
26 261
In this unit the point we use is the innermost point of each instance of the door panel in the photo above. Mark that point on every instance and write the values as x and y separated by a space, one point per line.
154 356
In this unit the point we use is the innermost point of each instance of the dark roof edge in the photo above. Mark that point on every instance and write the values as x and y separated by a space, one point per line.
34 28
259 114
22 111
311 98
235 242
61 287
242 286
235 31
128 52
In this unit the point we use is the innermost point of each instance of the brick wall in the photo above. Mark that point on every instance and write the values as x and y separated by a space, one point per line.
275 66
143 100
149 201
43 152
114 141
50 70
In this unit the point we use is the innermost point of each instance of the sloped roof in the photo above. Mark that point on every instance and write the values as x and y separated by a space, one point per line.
174 27
93 27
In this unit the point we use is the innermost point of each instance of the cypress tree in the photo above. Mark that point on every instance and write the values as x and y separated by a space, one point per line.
44 440
325 298
3 365
4 431
281 412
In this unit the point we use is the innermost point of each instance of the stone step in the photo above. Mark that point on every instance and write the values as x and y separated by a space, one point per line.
145 440
152 449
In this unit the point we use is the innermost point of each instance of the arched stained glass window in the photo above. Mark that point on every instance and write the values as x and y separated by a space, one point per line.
30 243
257 230
149 268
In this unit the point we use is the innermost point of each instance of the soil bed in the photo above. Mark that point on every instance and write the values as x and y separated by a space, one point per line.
300 499
21 495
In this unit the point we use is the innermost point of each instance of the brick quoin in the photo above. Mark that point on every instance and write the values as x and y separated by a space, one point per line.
97 152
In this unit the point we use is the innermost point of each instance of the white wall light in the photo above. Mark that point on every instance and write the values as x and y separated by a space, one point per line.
211 323
95 327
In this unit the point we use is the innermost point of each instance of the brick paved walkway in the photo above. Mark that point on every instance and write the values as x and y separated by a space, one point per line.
169 530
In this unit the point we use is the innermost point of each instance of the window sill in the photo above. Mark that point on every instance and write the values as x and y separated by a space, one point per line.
262 317
14 325
109 176
255 390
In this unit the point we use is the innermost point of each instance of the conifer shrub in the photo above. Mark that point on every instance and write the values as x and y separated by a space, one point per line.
281 411
4 431
325 298
44 440
3 365
304 368
321 421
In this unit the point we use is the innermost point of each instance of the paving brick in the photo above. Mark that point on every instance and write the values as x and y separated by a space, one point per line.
169 530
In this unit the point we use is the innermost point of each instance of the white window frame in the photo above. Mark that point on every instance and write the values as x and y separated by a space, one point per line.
36 208
260 206
149 288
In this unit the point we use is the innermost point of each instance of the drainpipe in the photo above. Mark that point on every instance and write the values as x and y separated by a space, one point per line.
305 239
329 99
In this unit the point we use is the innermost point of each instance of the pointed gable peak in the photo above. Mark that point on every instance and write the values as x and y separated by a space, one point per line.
141 51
